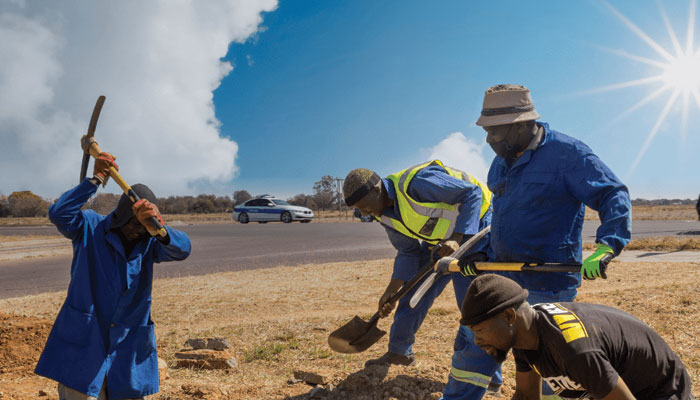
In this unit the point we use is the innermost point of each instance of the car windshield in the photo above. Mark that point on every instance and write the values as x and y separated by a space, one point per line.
281 202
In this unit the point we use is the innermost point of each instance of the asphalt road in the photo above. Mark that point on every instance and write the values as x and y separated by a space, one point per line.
232 247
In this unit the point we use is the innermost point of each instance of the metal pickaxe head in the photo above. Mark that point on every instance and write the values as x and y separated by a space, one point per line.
88 139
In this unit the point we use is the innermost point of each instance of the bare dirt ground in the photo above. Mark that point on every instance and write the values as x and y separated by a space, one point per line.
33 246
278 320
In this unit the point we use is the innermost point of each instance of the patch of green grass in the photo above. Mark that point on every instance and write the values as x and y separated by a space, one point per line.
293 344
320 352
265 351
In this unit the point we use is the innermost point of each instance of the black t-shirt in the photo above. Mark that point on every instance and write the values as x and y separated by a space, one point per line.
585 347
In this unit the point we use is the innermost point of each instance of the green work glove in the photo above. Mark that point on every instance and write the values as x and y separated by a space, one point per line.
467 266
595 265
468 269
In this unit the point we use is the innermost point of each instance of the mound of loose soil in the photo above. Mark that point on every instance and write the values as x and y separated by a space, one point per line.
21 341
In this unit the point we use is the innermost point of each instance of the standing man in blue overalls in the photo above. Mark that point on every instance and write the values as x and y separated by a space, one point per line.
542 180
103 343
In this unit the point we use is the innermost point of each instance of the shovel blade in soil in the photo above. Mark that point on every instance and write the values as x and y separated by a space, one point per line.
354 337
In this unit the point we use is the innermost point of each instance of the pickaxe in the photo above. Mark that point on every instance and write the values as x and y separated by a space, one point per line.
90 148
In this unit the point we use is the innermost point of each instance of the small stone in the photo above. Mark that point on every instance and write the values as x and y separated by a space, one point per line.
196 343
218 344
205 359
293 381
310 377
162 369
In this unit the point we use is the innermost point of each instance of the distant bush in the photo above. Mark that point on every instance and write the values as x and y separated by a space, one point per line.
240 197
202 204
661 202
4 207
103 203
27 204
303 200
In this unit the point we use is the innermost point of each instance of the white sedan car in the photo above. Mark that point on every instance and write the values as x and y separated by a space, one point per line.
266 209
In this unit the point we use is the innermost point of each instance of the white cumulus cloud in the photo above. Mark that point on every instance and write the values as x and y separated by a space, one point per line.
459 152
157 62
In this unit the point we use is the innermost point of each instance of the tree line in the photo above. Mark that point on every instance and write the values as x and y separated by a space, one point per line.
28 204
324 197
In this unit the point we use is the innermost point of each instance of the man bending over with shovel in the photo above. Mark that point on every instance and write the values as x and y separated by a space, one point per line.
582 351
420 207
103 344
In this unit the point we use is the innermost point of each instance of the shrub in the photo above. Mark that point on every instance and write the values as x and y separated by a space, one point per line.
27 204
103 203
4 207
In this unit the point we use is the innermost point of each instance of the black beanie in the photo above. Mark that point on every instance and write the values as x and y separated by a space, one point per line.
123 213
488 295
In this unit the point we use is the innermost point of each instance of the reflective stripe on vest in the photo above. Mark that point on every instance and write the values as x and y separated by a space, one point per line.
431 222
474 378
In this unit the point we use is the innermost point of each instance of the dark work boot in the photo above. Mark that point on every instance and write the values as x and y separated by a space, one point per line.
393 358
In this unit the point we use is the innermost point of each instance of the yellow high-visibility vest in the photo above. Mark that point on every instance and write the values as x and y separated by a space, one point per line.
431 222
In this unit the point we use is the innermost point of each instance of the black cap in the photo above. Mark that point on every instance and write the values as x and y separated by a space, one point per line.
488 295
123 213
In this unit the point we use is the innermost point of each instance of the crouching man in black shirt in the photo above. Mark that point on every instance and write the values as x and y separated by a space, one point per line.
583 351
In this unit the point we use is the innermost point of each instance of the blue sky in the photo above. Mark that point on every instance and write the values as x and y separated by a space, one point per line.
268 96
331 86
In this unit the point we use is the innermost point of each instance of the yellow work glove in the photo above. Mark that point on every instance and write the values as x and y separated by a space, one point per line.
595 265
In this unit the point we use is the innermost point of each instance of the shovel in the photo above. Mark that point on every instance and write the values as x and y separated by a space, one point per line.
358 335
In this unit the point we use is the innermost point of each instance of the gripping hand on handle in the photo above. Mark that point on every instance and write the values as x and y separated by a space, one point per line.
103 163
144 211
595 265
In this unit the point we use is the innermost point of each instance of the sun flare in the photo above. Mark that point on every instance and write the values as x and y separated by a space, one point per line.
683 73
679 74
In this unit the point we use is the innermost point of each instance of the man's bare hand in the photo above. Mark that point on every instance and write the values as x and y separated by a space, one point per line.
386 307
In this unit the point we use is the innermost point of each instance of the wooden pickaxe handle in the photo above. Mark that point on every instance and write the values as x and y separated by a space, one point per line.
95 151
517 266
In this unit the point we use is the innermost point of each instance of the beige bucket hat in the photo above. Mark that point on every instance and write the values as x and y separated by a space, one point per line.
507 104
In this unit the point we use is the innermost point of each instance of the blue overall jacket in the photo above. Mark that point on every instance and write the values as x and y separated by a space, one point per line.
104 328
539 204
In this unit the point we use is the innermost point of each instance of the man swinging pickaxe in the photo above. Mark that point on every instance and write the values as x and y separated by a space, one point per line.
90 148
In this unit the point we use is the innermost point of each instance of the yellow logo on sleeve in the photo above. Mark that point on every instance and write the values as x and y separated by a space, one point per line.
571 326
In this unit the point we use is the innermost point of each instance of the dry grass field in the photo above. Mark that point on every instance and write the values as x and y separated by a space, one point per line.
639 213
277 321
214 218
678 212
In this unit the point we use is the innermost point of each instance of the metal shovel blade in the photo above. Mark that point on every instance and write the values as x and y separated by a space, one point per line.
356 336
